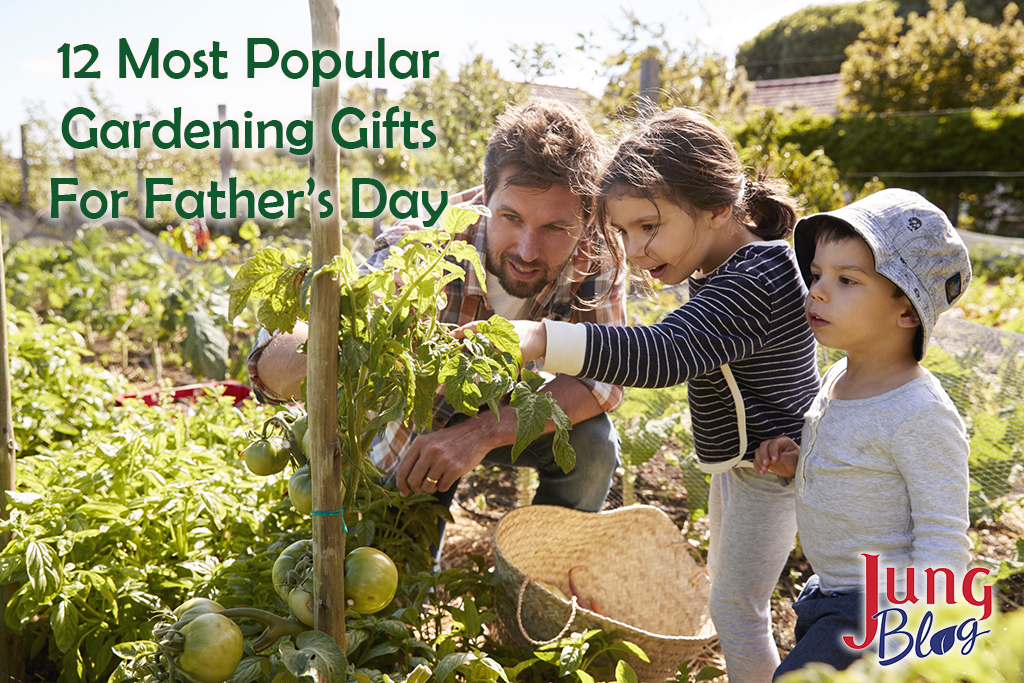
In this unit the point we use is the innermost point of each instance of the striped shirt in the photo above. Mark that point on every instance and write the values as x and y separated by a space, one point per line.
468 302
749 313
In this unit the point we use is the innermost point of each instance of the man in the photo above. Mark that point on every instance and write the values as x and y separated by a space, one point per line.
541 262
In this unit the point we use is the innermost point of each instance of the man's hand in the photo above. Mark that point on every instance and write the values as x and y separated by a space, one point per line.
281 367
435 461
778 456
533 337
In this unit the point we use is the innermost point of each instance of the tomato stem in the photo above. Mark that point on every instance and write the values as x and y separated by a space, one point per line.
277 627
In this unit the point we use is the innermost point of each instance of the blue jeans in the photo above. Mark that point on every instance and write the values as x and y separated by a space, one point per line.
822 619
584 487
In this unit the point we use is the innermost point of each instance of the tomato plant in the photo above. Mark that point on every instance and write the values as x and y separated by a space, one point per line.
192 608
293 567
371 580
300 600
394 353
300 490
266 456
212 648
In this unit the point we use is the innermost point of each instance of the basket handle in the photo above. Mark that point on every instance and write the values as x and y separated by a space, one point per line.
519 618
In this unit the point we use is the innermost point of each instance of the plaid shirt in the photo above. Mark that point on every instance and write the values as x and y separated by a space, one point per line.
467 302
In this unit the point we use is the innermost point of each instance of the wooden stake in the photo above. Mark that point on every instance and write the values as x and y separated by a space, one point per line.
322 347
12 647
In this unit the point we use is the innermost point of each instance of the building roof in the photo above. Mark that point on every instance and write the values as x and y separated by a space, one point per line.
811 92
557 92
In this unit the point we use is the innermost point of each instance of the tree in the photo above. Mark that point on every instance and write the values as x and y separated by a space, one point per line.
813 40
692 77
944 60
809 42
463 111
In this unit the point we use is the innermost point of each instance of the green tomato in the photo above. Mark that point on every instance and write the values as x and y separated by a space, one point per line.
213 648
300 490
371 580
306 443
286 562
299 429
266 456
194 607
300 600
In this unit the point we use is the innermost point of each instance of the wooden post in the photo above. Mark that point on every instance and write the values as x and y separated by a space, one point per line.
226 162
322 347
379 97
140 183
24 166
12 647
650 82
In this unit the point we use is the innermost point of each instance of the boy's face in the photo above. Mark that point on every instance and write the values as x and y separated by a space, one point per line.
850 306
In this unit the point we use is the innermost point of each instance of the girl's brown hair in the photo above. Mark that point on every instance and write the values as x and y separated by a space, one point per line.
682 156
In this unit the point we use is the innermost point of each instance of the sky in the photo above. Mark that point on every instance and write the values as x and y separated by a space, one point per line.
31 33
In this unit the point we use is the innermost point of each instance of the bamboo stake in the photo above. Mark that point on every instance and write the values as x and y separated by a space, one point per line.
322 348
12 647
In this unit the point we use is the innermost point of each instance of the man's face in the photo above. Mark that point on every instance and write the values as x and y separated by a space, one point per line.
531 235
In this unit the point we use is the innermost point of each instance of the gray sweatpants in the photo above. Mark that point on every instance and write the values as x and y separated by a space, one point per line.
753 524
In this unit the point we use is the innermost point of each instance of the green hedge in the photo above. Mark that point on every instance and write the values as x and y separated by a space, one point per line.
975 141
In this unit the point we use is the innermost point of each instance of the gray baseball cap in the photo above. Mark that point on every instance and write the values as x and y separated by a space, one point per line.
914 246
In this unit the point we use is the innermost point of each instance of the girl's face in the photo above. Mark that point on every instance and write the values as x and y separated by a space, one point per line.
681 245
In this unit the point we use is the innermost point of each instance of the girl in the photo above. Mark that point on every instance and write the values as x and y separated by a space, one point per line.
674 202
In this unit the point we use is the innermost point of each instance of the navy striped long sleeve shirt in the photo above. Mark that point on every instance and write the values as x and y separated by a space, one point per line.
749 313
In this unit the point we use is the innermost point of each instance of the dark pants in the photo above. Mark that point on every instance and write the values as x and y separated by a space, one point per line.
822 619
584 487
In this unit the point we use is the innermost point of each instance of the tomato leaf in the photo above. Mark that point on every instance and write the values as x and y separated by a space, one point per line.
533 412
316 656
255 278
502 335
251 668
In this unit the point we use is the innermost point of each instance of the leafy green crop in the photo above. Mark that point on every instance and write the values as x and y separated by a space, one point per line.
124 291
128 519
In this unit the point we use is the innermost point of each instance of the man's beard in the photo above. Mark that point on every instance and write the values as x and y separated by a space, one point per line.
518 288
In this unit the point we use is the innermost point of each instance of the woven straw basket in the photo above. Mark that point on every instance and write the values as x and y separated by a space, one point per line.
633 562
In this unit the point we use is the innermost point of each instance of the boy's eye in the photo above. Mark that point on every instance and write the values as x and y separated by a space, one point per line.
847 281
815 277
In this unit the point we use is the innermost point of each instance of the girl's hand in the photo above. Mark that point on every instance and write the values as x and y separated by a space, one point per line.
778 456
533 338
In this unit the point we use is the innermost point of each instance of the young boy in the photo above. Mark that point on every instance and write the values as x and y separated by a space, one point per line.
883 463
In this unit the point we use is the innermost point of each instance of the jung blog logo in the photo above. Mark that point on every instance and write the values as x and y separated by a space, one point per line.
878 623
